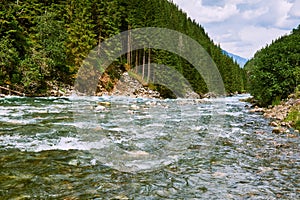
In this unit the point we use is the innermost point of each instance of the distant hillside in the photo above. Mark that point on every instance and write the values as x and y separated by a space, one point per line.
43 44
274 71
240 60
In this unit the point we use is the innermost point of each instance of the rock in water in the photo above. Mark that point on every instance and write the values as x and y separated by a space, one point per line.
137 153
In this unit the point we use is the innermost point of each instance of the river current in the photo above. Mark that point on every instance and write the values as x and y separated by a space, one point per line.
124 148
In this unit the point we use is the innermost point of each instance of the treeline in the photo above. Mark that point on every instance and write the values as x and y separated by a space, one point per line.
43 43
274 71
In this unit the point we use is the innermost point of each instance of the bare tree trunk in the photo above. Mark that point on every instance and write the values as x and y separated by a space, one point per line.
149 63
143 70
153 74
128 48
136 60
99 45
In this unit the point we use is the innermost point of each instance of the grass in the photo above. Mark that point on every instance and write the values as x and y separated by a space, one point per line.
276 101
294 117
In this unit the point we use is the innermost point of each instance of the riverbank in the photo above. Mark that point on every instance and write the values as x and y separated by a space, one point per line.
284 116
128 84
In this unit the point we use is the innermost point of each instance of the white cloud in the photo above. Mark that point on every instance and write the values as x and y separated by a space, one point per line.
207 14
244 26
295 10
258 37
250 14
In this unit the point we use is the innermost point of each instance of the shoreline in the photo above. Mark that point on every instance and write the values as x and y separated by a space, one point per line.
279 115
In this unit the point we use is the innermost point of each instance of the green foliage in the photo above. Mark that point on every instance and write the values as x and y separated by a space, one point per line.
109 86
276 101
294 117
81 37
45 41
274 70
8 59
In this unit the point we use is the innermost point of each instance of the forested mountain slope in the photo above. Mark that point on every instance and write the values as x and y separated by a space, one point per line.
274 71
43 43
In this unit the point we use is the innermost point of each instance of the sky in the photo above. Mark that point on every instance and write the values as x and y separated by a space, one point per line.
243 26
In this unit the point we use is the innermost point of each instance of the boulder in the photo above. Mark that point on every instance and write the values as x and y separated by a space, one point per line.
210 95
275 124
257 109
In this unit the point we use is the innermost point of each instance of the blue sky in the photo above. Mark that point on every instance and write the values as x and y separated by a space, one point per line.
243 26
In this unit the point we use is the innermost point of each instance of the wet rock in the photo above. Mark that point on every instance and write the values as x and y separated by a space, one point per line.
278 130
73 162
99 108
134 107
286 124
105 103
137 153
259 132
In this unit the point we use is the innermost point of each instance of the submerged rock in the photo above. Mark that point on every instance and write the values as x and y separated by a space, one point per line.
104 103
137 153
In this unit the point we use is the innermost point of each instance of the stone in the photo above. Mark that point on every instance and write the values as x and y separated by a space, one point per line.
256 109
137 153
291 135
287 131
278 130
280 116
259 132
104 103
99 108
134 107
267 115
275 124
210 95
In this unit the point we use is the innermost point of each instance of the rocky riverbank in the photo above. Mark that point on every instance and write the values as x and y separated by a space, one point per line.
129 86
58 90
283 116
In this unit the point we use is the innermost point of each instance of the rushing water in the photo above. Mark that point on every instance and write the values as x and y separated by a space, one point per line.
122 148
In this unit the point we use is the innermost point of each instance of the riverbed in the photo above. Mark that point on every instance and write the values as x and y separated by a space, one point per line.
137 148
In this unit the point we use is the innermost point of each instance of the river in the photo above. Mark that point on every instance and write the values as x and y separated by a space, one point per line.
124 148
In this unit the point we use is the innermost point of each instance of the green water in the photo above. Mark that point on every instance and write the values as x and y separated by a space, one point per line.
75 148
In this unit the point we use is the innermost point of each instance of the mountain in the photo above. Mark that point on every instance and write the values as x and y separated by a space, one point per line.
274 71
240 60
37 61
